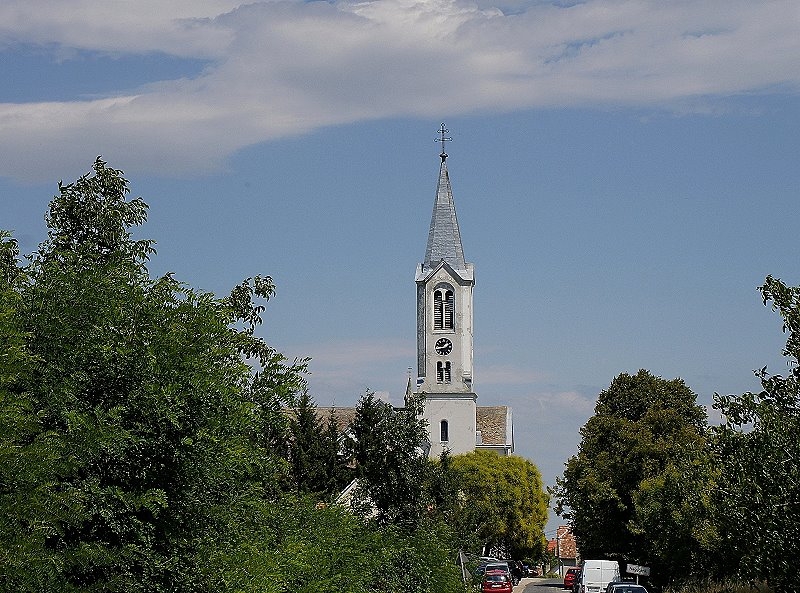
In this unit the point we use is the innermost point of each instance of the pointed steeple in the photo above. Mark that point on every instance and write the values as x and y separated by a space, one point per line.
444 237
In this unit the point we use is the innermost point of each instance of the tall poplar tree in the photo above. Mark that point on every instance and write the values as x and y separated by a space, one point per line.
387 448
316 463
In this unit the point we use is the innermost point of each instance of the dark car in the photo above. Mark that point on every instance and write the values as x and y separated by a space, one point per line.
570 577
517 570
576 586
625 588
496 581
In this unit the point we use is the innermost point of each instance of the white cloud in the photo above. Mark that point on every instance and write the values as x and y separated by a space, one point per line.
554 407
507 375
342 371
178 27
289 67
361 352
547 427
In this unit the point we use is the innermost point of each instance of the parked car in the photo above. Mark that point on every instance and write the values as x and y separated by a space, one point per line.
576 586
502 566
625 588
482 562
570 577
517 570
496 581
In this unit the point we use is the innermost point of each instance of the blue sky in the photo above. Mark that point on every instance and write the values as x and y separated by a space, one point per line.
625 175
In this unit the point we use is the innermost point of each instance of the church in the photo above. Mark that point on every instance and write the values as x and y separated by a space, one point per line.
445 283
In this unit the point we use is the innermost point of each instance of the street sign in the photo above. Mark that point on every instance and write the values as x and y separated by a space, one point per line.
642 571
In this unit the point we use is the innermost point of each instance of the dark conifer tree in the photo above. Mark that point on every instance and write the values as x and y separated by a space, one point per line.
316 464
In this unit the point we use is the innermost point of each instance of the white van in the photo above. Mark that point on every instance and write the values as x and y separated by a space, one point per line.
597 574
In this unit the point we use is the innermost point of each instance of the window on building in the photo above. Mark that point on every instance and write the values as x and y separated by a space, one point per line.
444 308
443 372
444 432
449 302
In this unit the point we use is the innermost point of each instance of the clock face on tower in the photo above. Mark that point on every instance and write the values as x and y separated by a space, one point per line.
443 346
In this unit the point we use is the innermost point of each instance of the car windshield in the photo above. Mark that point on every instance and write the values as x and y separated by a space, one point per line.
628 589
496 578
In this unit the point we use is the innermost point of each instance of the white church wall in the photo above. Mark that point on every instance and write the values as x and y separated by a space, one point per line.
459 412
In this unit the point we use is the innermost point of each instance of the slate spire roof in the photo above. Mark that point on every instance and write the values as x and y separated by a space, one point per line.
444 238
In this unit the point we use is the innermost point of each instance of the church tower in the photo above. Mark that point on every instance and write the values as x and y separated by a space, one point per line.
444 327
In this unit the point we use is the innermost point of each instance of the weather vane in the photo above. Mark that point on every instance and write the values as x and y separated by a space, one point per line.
442 131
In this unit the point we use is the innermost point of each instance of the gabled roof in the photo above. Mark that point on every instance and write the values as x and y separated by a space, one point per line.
464 276
343 416
444 237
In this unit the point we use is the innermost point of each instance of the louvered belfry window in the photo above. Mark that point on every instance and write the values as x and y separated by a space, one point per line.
449 302
443 372
438 310
443 309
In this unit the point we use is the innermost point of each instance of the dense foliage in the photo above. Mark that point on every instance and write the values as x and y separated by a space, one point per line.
627 490
135 398
758 502
500 503
144 439
385 446
300 545
652 485
316 462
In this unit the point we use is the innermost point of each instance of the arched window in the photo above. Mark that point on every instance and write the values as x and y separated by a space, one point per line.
444 307
443 372
444 432
438 310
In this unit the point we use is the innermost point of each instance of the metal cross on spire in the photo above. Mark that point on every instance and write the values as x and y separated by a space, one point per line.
442 131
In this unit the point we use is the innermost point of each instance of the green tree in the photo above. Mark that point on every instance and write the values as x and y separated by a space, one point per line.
303 546
673 517
626 491
501 503
28 457
443 489
386 446
316 465
758 500
143 433
151 424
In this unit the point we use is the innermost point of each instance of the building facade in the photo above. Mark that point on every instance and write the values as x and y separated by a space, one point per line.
445 355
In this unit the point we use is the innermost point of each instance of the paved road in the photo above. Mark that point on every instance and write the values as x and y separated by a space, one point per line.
540 586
